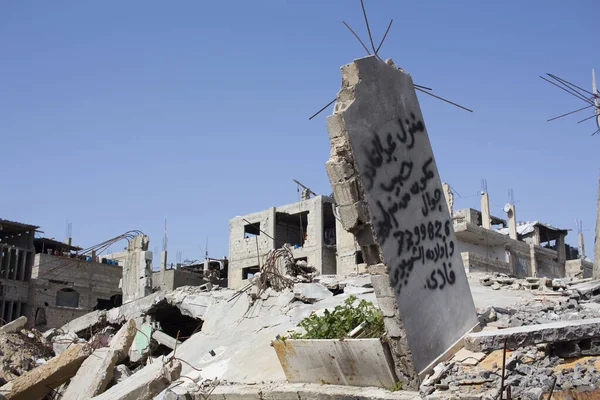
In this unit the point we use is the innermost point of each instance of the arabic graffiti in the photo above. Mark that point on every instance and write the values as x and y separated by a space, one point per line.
379 154
405 190
384 226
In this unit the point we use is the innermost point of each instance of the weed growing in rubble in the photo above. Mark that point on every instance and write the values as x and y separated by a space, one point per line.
344 318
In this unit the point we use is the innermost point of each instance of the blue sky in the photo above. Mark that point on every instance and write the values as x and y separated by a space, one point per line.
117 115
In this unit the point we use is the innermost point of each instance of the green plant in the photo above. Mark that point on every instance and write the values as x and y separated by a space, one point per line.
397 386
344 318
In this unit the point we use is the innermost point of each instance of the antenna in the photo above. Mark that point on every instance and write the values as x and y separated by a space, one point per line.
306 188
165 237
206 248
69 229
511 197
484 187
590 99
420 88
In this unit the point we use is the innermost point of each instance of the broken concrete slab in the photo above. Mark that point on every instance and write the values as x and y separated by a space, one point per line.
85 322
560 331
587 288
146 383
165 339
120 373
62 342
357 290
14 326
305 391
40 381
467 357
356 362
378 129
97 371
311 292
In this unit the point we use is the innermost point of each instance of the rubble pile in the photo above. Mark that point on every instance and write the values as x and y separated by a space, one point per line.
21 352
166 340
530 371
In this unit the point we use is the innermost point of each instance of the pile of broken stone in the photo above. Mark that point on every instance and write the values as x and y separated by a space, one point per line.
499 281
98 355
531 371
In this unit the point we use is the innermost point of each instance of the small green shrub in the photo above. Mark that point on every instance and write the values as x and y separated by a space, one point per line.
397 386
344 318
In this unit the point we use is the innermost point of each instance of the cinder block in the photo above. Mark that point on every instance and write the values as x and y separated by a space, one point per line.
339 170
335 126
387 305
353 215
347 192
381 285
393 327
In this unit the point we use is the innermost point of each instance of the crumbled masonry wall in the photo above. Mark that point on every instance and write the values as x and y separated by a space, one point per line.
137 269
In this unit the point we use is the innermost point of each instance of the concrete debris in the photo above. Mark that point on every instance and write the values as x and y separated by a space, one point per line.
305 391
467 357
311 292
40 381
358 290
120 373
145 385
560 331
97 370
62 342
14 326
21 352
165 339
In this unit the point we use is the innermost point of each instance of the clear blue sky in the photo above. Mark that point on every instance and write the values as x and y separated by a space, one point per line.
117 115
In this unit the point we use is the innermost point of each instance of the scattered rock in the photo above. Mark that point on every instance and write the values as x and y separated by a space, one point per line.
311 292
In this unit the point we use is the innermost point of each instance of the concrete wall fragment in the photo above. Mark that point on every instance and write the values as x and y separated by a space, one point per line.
390 196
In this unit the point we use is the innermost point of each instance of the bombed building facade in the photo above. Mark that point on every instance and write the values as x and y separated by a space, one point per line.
67 285
520 249
16 262
310 227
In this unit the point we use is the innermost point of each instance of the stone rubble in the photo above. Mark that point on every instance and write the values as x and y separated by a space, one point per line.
222 364
530 370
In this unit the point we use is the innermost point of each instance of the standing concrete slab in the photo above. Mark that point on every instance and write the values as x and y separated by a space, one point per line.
355 362
389 193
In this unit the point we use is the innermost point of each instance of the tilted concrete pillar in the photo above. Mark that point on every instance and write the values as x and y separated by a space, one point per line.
512 222
596 270
486 219
560 249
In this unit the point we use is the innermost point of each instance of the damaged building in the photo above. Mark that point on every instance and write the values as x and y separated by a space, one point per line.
492 244
67 285
211 270
16 261
310 227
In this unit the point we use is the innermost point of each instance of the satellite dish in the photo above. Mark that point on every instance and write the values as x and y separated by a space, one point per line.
506 208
